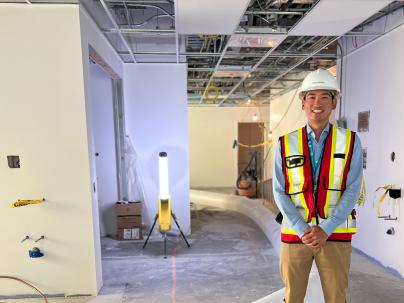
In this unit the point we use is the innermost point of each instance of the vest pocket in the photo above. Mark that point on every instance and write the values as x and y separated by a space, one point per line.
333 187
297 188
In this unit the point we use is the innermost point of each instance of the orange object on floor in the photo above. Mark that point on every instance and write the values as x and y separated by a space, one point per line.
247 189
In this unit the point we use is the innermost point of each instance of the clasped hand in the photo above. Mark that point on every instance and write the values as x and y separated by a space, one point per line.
314 237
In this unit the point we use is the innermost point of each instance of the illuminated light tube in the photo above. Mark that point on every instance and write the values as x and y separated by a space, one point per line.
163 176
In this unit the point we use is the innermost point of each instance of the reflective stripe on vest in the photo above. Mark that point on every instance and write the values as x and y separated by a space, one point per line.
348 226
297 171
332 178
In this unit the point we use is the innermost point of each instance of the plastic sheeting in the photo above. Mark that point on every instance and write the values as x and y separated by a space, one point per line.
134 184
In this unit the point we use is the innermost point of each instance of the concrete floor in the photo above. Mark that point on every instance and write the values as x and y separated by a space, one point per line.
230 261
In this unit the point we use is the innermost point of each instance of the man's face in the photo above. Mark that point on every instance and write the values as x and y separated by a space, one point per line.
318 105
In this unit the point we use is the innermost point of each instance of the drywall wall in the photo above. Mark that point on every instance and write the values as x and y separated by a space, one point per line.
92 36
212 130
43 120
156 116
103 127
373 81
286 114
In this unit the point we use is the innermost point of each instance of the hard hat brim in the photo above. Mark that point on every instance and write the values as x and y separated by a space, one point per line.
332 90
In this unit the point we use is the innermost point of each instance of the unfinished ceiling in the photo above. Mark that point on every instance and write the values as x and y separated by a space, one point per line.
238 52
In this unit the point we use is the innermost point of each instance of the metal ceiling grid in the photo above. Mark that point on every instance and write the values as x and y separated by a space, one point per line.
276 20
41 1
259 60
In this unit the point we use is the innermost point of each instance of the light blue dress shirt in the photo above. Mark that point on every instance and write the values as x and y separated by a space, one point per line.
345 204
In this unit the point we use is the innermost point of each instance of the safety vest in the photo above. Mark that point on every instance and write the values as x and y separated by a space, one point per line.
316 206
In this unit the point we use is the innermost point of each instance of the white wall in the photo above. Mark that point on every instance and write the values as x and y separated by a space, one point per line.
286 114
102 113
373 79
212 130
157 120
91 35
43 120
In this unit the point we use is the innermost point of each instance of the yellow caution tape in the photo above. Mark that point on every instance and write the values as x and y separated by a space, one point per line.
20 203
386 187
255 145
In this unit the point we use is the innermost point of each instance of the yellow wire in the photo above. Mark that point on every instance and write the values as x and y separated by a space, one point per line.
267 142
379 203
212 87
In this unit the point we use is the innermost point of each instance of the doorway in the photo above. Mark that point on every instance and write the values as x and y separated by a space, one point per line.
108 131
249 134
249 156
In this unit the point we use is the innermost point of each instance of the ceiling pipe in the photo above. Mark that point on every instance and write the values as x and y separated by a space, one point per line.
149 6
229 54
216 68
255 66
293 67
139 30
275 12
252 70
111 18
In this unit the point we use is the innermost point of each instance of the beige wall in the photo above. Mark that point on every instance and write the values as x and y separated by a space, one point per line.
286 116
43 120
212 130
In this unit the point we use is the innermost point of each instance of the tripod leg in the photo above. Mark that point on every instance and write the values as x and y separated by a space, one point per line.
165 245
182 234
151 230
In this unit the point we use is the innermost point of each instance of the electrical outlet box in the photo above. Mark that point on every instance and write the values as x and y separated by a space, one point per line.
13 161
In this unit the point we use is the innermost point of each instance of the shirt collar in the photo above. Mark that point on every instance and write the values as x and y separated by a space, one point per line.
324 133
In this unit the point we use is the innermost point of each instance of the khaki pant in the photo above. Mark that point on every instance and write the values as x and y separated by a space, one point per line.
333 262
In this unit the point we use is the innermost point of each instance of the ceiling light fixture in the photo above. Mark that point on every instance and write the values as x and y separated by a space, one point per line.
270 134
251 40
248 99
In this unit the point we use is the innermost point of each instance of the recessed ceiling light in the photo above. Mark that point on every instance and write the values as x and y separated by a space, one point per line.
263 40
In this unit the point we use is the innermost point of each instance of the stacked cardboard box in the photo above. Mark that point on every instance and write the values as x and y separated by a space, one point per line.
129 220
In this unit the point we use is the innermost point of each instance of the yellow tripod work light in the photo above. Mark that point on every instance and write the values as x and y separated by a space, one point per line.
164 212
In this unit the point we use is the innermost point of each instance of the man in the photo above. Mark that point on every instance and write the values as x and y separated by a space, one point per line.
317 179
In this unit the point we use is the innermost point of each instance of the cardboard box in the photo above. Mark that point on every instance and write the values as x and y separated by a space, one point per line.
128 208
129 221
129 233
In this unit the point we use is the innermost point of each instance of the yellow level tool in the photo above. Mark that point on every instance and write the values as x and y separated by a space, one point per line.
20 203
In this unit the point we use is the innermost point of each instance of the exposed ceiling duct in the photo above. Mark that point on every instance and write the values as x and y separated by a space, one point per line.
237 49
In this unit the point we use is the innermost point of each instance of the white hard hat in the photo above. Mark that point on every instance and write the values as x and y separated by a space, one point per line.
319 79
